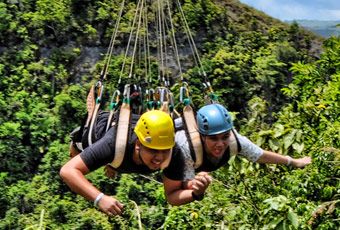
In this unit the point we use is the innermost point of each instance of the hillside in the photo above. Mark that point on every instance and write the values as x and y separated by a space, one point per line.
324 28
280 81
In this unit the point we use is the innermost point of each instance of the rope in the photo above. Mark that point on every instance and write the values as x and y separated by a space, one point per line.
187 29
174 41
160 39
137 36
138 214
111 45
129 41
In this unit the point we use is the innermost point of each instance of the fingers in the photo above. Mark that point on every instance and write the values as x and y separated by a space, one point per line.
117 208
302 162
203 177
111 206
201 182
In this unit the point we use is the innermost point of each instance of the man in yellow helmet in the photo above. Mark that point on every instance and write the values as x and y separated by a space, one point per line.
148 148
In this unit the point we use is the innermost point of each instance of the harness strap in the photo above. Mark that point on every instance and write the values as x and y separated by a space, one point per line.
234 143
190 121
122 135
99 87
90 104
165 107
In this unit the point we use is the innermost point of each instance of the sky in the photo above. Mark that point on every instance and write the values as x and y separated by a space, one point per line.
298 9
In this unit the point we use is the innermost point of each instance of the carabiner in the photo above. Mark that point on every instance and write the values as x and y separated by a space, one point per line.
99 91
115 100
184 90
126 94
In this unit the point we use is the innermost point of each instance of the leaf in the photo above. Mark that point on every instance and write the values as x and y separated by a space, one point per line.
277 203
273 223
298 147
279 130
289 139
298 135
293 217
274 145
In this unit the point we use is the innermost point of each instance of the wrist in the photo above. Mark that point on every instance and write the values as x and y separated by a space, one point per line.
98 198
197 197
289 161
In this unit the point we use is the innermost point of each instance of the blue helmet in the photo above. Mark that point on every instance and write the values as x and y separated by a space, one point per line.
213 119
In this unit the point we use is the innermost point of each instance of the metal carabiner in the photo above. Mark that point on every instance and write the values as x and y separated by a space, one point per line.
149 94
184 90
162 94
99 87
115 100
126 94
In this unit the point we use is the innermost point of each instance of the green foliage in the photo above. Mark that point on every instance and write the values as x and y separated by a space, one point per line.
263 70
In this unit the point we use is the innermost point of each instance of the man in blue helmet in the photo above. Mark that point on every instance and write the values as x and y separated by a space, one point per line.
219 140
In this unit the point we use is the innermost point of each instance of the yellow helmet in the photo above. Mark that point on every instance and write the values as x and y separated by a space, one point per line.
155 130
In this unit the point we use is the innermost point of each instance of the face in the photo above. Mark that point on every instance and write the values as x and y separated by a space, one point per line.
216 145
153 158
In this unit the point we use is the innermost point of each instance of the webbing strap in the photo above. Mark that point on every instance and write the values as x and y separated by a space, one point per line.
234 144
90 104
99 87
109 123
190 121
122 135
165 107
93 120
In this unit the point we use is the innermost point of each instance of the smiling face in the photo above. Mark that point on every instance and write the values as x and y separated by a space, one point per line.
216 145
152 158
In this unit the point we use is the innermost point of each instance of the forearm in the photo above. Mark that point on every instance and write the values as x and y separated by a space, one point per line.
79 184
73 173
273 158
180 197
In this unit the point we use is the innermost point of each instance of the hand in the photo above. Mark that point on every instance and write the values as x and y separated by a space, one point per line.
200 183
110 206
301 162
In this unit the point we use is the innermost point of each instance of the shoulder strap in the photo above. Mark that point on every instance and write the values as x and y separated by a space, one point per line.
234 143
90 104
121 135
96 90
194 135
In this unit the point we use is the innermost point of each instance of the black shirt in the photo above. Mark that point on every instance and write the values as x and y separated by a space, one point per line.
102 152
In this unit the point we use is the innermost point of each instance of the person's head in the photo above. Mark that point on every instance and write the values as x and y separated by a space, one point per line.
214 124
156 137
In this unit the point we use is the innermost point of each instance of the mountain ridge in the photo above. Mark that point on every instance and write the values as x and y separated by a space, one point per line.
325 28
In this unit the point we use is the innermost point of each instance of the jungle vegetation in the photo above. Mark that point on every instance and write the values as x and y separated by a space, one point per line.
281 82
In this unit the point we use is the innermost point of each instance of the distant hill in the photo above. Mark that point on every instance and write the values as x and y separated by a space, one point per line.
323 28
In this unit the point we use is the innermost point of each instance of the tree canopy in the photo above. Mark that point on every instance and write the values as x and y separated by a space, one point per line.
280 84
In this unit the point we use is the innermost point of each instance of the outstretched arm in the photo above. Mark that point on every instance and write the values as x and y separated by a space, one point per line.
73 173
179 192
274 158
